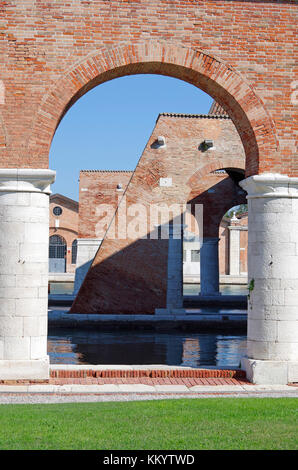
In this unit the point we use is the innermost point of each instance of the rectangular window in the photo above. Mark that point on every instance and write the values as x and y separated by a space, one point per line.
195 256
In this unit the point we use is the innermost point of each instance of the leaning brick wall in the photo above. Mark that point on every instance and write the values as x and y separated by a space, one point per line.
96 188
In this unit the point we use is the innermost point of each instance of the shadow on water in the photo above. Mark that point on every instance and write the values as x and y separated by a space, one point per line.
72 346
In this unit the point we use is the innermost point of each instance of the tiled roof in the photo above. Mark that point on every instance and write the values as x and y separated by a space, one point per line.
106 171
197 116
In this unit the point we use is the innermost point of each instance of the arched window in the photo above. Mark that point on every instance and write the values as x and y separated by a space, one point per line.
57 248
74 249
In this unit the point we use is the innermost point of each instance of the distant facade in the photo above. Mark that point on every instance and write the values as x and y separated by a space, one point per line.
63 234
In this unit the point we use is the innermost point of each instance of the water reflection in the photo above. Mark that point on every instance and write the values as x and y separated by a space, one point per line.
62 288
225 289
69 346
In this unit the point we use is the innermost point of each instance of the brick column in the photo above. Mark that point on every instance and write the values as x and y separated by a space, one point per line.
272 342
24 246
209 267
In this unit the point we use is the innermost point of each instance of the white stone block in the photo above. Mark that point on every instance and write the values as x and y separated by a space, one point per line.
257 349
39 200
31 307
36 232
11 326
8 198
38 347
16 348
8 307
291 297
287 312
287 331
34 252
35 326
265 372
7 280
18 292
31 280
11 234
23 199
1 348
262 330
293 372
282 351
22 369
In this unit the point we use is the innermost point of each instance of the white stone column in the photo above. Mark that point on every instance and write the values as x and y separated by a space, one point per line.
272 338
209 267
86 250
24 245
234 250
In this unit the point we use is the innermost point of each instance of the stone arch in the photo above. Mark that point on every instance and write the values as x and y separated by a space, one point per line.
207 72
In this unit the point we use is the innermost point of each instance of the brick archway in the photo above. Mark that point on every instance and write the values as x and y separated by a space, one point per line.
216 165
212 75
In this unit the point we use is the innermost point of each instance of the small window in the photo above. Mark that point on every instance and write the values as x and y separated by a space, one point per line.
57 210
195 256
184 255
74 250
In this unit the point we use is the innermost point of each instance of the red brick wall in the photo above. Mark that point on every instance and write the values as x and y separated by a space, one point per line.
240 52
129 275
98 187
68 224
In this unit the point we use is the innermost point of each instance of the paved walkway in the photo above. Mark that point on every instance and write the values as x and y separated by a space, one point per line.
71 384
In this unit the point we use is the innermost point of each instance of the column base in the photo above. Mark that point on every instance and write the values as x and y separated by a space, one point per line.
270 372
38 369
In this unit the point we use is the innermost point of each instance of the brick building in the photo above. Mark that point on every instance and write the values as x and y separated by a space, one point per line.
63 234
175 168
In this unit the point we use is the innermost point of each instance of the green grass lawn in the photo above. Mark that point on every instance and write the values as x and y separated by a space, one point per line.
211 423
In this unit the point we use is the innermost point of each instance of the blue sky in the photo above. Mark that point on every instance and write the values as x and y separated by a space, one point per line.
107 129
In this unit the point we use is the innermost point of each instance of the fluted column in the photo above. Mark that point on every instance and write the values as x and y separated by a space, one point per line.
24 238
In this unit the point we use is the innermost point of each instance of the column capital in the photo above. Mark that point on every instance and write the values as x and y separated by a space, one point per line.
270 185
26 180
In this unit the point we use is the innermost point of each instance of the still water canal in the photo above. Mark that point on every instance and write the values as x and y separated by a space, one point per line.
73 346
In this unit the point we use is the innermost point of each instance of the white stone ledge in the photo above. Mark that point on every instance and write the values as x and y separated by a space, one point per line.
26 180
24 369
